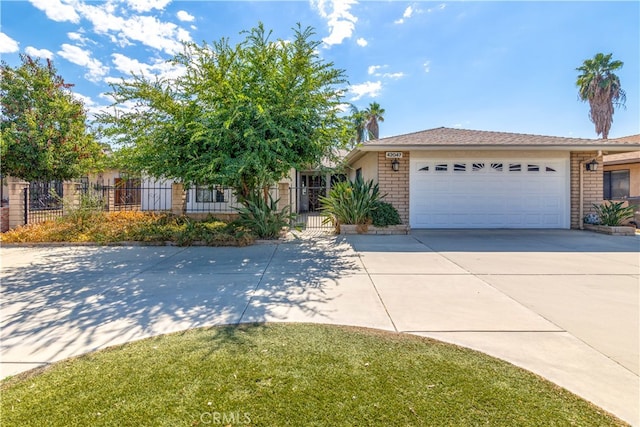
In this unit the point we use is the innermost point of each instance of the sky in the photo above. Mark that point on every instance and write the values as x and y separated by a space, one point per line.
497 66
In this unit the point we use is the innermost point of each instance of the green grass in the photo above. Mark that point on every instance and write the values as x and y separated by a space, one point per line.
289 375
130 226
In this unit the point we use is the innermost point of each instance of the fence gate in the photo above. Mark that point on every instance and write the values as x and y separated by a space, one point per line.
305 204
42 201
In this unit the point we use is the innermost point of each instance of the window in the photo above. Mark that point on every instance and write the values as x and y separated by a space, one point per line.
424 169
209 195
533 168
515 167
616 184
459 167
496 167
441 167
358 173
549 169
478 166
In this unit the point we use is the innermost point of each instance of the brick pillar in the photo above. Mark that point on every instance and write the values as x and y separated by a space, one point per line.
592 185
16 201
395 184
178 199
70 196
283 196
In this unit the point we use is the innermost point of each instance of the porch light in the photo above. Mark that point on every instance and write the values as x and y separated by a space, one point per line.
395 165
592 166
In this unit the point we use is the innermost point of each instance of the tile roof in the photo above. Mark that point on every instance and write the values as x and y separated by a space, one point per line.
448 137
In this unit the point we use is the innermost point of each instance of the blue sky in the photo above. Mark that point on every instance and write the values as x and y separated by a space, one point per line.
499 66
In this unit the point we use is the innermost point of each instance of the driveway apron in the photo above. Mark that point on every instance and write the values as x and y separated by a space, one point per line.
562 304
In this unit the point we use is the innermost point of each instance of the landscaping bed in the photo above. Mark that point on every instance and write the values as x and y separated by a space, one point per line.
131 227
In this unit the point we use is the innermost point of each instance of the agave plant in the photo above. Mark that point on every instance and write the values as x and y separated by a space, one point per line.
613 213
350 202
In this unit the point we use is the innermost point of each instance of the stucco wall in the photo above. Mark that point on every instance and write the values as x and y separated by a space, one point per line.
369 165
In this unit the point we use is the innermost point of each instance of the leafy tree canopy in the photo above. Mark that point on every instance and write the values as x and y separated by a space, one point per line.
44 131
240 116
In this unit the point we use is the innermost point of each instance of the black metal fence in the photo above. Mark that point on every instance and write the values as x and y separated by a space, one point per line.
305 203
42 201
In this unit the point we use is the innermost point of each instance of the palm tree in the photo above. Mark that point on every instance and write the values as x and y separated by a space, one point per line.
358 122
374 114
601 87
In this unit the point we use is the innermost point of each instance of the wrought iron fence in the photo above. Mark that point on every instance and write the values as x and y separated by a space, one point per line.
42 201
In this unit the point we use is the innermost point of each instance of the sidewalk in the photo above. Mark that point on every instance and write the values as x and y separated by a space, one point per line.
534 299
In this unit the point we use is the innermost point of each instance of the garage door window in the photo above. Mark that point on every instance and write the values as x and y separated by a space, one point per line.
616 184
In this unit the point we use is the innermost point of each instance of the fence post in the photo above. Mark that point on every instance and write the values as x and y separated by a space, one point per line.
178 199
17 207
70 196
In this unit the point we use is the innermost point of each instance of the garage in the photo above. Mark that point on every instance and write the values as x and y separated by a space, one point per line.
497 190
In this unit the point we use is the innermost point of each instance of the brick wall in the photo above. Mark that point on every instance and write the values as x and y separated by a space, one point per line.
395 184
592 186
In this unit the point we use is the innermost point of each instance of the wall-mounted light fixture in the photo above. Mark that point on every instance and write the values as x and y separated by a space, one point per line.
592 166
395 165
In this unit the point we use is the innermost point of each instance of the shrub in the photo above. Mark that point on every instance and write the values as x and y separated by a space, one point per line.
384 215
262 217
613 213
131 226
350 202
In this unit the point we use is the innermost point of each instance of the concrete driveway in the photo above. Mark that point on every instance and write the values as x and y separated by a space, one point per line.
563 304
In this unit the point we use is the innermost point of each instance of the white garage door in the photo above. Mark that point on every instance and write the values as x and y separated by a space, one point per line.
489 193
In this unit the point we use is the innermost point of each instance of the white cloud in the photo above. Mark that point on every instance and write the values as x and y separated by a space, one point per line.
7 44
57 10
394 76
371 89
95 69
148 30
362 42
340 21
40 53
147 5
427 66
185 16
374 68
159 68
78 38
408 12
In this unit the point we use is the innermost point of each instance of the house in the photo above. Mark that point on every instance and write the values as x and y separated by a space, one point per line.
457 178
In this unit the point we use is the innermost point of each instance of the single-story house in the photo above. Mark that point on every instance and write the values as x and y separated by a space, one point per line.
458 178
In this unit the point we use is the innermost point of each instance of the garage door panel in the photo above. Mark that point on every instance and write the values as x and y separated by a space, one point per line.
489 193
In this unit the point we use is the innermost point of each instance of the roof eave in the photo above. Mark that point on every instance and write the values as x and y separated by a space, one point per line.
610 148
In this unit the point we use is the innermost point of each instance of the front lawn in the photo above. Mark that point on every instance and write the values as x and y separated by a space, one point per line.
295 375
130 226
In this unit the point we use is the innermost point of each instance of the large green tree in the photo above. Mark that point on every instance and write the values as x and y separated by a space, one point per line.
600 86
44 131
240 116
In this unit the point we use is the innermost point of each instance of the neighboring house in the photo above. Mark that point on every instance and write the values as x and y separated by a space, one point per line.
621 179
456 178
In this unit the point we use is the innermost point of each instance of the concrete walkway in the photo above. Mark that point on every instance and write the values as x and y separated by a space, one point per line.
563 304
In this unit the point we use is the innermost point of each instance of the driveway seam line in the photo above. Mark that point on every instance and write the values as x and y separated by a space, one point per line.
253 292
375 288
